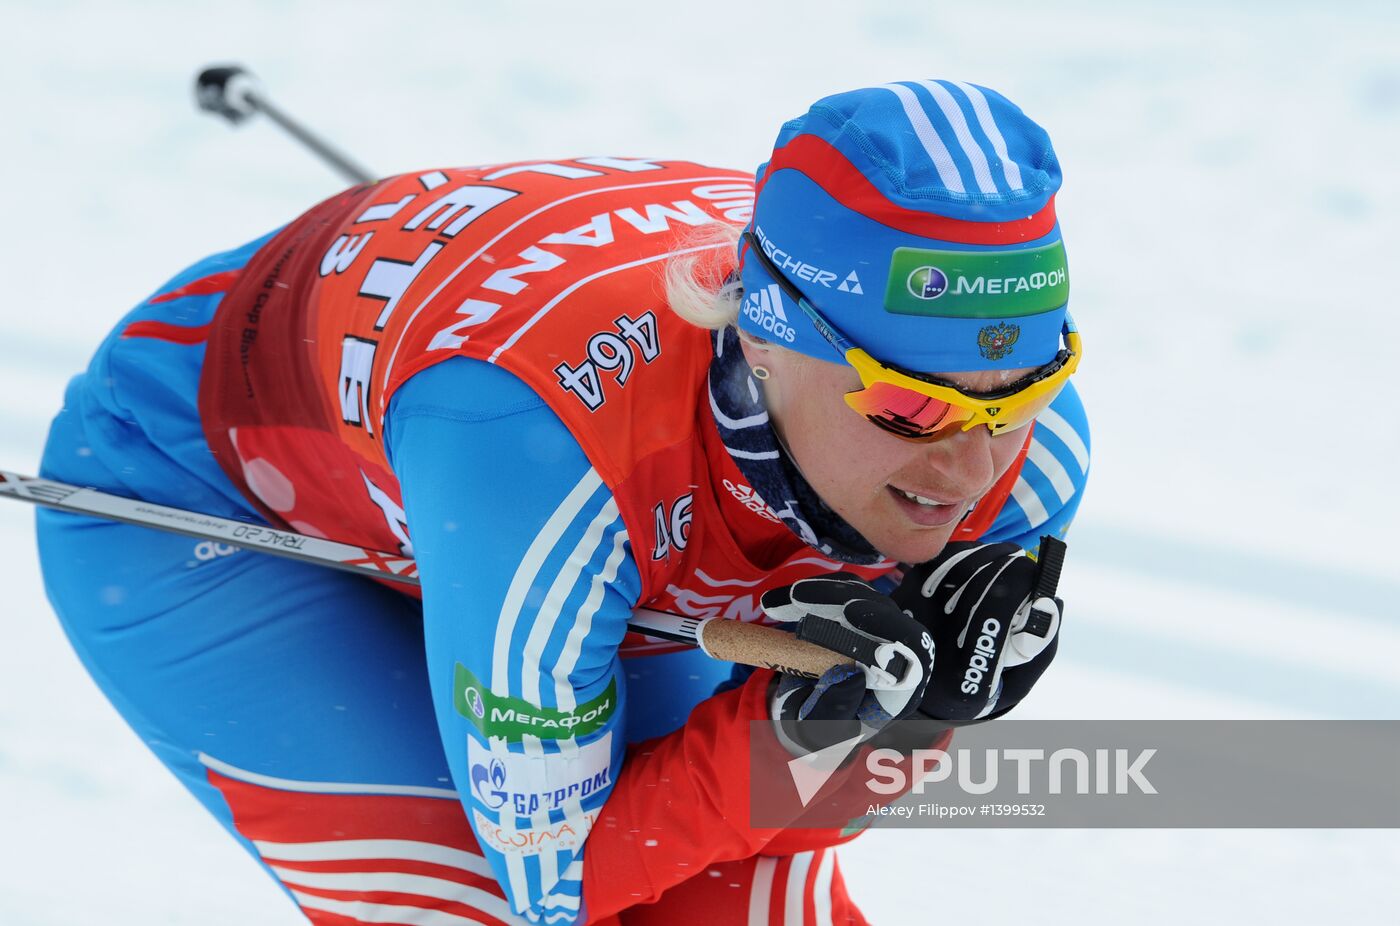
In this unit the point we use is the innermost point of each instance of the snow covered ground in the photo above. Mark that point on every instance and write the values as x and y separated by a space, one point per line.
1231 206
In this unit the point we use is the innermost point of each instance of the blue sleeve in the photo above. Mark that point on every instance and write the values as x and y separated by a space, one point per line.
1051 484
528 582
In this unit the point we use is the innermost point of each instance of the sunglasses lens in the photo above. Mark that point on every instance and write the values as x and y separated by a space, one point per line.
904 412
915 416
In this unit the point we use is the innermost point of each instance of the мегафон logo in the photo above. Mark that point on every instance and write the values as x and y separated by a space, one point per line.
928 283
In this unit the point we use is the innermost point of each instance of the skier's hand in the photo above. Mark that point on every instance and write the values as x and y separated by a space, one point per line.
886 684
995 622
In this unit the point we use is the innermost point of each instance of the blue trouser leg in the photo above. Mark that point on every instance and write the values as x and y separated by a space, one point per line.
293 702
278 667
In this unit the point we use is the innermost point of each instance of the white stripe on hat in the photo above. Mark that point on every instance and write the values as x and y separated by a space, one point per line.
984 118
928 137
955 117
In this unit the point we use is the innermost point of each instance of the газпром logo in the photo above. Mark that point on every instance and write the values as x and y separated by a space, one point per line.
489 783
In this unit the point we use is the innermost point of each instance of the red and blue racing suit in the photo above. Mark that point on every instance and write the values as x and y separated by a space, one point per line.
476 369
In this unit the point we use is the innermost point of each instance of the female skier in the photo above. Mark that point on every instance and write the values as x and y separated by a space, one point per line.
567 389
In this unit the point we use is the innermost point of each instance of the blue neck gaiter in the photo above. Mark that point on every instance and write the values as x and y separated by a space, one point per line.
737 404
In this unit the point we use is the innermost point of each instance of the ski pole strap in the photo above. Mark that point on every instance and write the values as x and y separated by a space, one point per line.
1050 559
847 642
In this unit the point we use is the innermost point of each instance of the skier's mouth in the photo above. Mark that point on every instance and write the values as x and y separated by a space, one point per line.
924 510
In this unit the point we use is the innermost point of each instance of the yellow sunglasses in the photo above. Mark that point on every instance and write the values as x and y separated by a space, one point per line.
922 408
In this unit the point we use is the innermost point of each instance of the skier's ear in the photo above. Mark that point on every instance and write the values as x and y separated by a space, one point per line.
757 351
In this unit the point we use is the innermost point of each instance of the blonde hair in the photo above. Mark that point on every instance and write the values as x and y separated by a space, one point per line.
700 284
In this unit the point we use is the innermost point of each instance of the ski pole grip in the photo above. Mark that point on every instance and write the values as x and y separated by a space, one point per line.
765 647
227 90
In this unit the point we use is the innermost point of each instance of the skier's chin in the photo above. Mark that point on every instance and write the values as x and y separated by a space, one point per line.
906 543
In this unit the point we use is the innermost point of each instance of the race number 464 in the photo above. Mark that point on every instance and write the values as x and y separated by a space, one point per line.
615 351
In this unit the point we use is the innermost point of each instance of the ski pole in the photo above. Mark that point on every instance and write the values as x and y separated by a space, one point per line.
720 638
232 92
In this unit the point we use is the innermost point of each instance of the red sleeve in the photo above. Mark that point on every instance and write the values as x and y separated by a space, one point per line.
682 803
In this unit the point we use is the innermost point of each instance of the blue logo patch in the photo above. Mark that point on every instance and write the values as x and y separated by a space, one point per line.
488 781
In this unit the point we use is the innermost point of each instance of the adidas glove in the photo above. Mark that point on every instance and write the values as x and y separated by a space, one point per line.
995 622
886 683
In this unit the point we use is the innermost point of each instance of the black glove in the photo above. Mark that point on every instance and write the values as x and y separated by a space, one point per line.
995 623
893 656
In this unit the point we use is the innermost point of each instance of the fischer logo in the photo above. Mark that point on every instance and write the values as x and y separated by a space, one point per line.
983 658
803 270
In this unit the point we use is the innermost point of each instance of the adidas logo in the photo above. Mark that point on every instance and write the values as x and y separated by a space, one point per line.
750 499
765 309
851 285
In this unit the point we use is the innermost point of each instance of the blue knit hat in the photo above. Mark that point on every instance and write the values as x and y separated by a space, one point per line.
919 218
